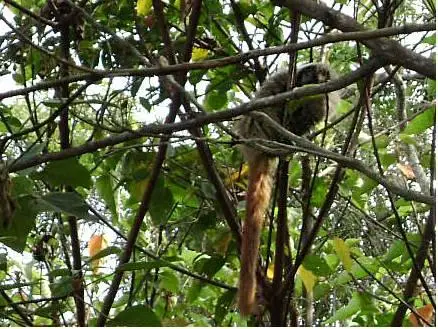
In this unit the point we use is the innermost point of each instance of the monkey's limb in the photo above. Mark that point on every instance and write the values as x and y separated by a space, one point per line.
257 200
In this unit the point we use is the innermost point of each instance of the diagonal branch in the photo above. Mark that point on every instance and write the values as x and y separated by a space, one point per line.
389 50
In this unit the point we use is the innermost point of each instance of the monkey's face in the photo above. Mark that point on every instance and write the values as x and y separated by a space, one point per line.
313 74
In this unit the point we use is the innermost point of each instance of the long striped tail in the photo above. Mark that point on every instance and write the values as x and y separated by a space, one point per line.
257 201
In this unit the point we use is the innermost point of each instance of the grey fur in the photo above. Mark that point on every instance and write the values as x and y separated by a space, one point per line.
299 120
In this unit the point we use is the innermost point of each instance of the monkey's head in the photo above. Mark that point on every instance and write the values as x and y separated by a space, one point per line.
313 109
314 73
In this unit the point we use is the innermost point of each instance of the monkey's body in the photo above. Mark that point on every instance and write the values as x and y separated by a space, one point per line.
262 166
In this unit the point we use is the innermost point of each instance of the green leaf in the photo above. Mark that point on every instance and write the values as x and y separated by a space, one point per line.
408 139
195 76
59 272
210 266
387 159
67 202
431 39
421 122
332 261
65 172
317 265
169 281
357 270
215 100
21 185
136 84
223 306
135 316
62 286
382 141
29 154
105 189
354 306
22 223
343 107
396 249
319 192
161 203
194 291
321 291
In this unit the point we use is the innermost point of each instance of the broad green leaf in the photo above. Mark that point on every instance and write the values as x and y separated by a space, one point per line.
106 191
382 141
67 202
215 100
29 154
319 192
195 76
408 139
357 270
21 185
59 272
210 266
135 316
421 122
321 291
358 303
386 158
65 172
332 261
22 222
343 252
396 249
161 203
169 281
431 40
343 107
62 287
194 291
317 265
347 311
223 306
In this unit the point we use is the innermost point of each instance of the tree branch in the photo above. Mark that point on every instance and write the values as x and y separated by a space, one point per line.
389 50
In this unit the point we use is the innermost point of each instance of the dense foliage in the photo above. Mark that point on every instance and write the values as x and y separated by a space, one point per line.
122 192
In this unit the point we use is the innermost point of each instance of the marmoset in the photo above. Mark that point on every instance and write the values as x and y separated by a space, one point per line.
299 120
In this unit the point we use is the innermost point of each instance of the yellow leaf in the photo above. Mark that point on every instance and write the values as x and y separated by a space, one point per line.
308 278
343 252
95 245
199 54
270 272
235 176
426 312
144 7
